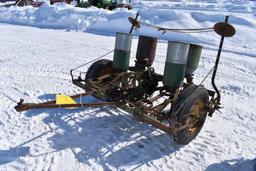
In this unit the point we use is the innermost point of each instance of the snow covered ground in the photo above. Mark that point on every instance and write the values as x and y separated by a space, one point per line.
35 63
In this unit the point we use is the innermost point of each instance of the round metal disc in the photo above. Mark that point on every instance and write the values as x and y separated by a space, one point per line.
134 22
224 29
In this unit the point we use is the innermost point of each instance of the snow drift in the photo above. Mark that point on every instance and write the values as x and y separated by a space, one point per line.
63 16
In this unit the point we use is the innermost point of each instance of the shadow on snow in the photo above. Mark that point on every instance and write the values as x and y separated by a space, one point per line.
104 135
12 154
232 165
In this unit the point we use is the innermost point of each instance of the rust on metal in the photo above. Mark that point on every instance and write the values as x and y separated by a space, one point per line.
195 114
146 51
171 130
134 22
28 106
73 97
224 29
156 123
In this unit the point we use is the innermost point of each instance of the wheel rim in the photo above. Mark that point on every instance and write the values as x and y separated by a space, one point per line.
195 117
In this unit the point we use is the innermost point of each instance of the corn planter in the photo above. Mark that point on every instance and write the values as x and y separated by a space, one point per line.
170 101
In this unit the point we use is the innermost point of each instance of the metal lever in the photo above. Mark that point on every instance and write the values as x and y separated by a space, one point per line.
224 30
134 22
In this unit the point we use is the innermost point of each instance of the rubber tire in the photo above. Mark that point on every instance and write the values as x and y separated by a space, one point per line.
95 69
194 93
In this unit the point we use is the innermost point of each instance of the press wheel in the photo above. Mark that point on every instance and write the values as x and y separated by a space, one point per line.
190 109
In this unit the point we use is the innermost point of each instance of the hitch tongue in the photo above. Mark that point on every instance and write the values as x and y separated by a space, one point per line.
20 102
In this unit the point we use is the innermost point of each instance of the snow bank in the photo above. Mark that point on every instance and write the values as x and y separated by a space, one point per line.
63 16
59 16
105 22
235 6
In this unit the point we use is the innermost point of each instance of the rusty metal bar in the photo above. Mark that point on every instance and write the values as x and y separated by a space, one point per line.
103 77
28 106
171 130
155 123
155 98
217 63
73 97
